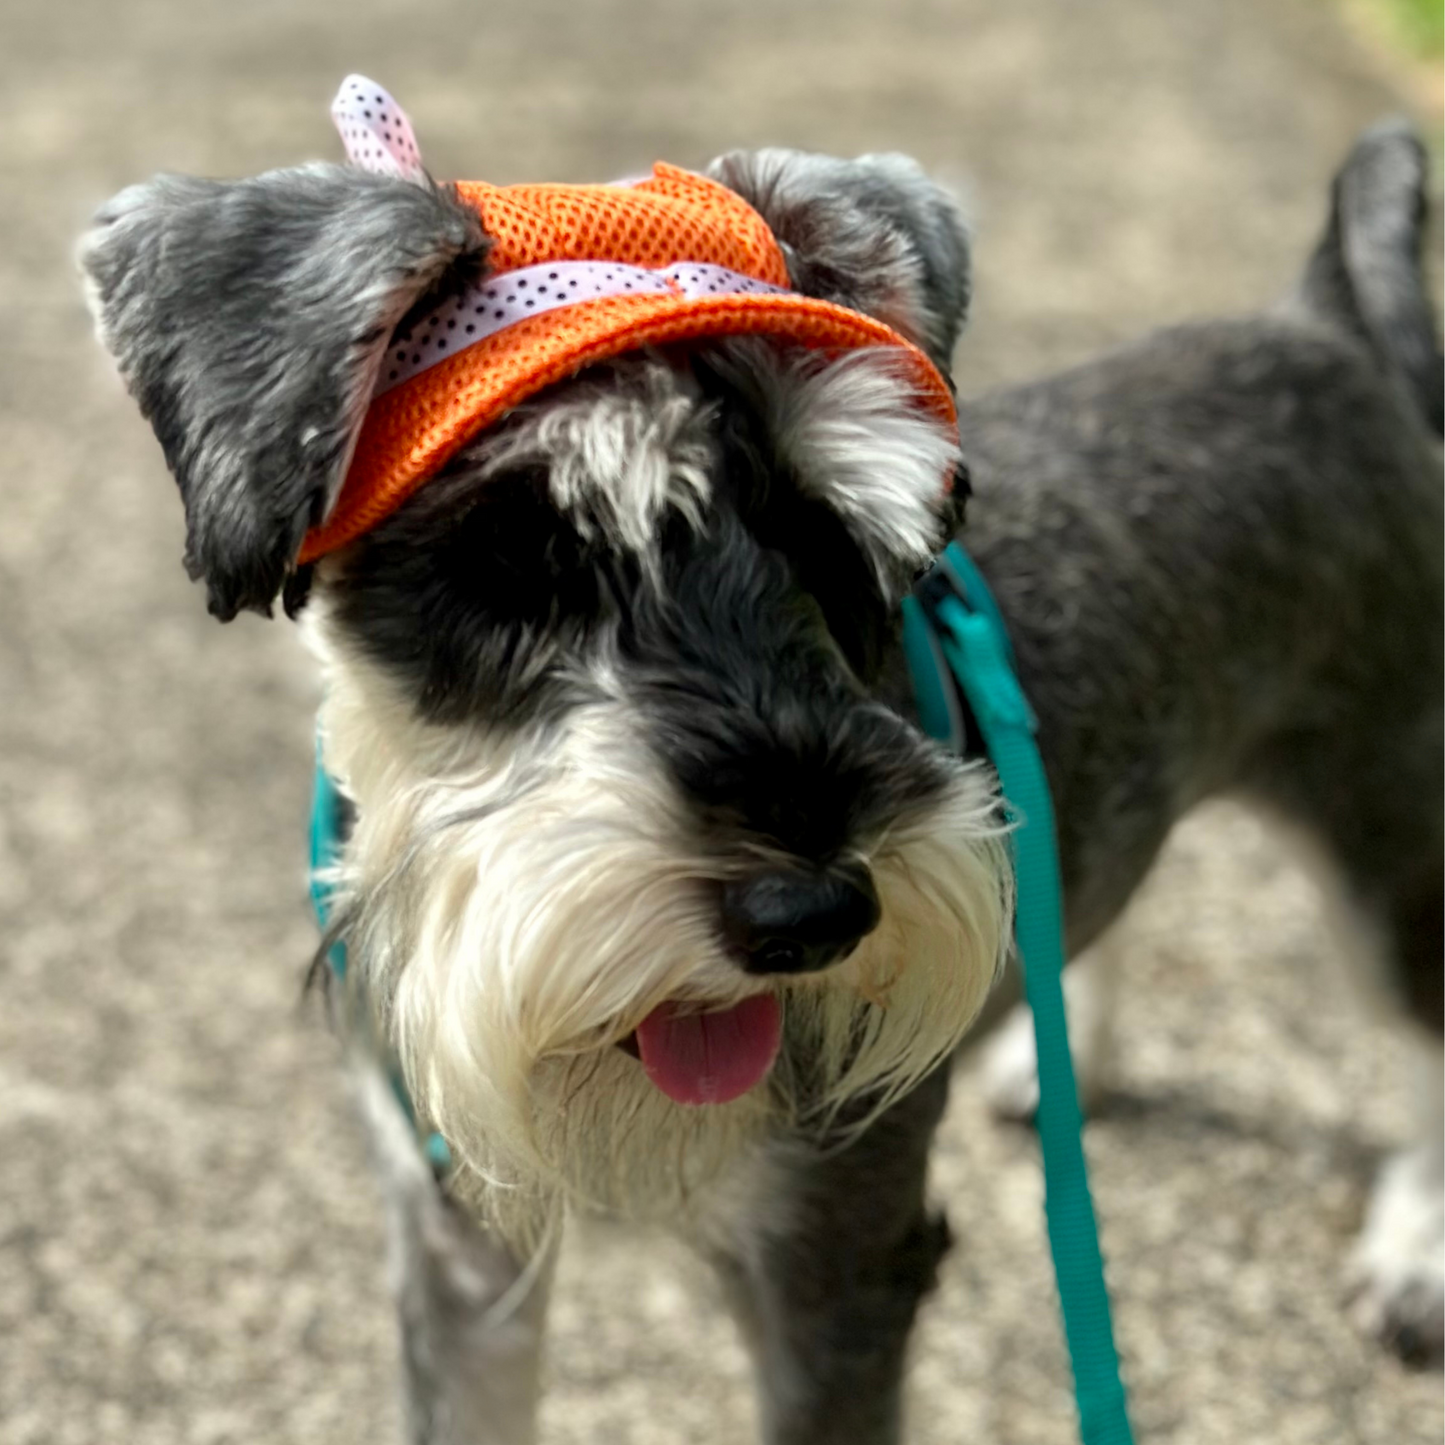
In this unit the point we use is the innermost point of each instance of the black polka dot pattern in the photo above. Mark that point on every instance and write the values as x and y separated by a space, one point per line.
374 129
498 302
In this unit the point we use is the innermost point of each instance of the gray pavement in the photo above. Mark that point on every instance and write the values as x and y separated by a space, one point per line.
190 1247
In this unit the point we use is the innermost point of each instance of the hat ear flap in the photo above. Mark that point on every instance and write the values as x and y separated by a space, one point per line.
249 320
873 234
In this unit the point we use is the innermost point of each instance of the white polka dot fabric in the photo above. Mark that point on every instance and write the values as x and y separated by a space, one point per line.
697 280
497 302
374 129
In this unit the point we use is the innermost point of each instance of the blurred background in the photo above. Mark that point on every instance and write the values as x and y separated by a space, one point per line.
190 1246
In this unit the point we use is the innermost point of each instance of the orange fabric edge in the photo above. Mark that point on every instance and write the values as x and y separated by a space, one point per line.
412 431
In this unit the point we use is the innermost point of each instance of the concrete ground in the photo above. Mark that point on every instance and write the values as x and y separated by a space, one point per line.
190 1247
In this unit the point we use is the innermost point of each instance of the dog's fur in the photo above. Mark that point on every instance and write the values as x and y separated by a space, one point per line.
638 645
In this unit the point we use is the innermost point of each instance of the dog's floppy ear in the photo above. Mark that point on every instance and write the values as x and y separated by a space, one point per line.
249 319
874 234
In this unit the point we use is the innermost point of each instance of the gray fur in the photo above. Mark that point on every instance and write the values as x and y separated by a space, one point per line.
1218 552
620 449
1366 272
827 1298
248 319
471 1316
874 234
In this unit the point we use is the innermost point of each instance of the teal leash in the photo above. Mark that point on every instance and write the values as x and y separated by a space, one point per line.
960 626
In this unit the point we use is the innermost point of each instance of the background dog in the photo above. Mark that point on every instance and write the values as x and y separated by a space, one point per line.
602 786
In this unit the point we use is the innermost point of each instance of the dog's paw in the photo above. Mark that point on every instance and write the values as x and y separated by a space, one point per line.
1010 1063
1010 1066
1396 1274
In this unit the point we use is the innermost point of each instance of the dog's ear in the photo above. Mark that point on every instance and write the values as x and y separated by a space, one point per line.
249 319
874 234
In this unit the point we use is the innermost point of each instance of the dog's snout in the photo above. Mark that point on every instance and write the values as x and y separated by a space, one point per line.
796 921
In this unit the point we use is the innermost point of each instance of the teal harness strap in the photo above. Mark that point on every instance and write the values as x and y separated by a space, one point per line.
325 850
974 643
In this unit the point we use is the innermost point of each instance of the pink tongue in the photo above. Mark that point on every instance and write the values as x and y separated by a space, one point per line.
709 1058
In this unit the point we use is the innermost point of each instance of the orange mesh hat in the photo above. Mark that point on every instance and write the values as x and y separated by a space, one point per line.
576 274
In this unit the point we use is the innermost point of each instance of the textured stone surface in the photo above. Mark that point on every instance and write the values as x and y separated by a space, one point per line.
190 1248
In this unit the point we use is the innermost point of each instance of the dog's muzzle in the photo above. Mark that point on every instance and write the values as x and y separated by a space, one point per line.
797 921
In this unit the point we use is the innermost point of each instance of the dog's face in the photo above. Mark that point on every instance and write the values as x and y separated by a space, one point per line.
644 861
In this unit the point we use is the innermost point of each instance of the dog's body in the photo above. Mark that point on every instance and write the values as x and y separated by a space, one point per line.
620 702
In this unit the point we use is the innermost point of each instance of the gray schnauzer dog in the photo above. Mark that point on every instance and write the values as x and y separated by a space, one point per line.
655 894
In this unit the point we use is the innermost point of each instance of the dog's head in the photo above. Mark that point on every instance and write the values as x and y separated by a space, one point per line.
639 823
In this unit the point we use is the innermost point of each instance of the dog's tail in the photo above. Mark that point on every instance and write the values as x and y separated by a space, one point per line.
1365 273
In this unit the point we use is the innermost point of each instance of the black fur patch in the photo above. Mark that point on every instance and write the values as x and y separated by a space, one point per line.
480 597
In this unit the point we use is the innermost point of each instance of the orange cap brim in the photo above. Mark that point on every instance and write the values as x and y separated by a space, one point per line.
413 430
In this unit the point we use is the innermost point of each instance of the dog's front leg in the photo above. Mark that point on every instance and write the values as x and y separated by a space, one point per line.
471 1314
828 1259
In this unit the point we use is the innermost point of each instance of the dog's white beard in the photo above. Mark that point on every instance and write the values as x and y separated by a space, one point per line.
518 903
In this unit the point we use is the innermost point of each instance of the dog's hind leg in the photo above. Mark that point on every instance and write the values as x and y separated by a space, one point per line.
1397 1270
471 1316
1376 807
825 1260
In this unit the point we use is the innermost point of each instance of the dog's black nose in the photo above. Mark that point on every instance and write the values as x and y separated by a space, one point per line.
797 921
